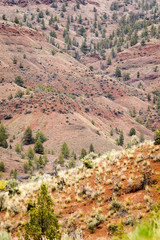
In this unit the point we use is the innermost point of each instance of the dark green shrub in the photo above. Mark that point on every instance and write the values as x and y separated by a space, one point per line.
157 138
19 81
42 223
2 167
65 150
27 137
3 137
38 147
132 132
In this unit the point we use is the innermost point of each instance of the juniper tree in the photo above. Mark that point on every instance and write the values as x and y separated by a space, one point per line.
84 47
41 163
118 72
43 224
121 139
65 150
83 153
91 148
43 24
38 147
40 135
3 136
19 81
2 167
109 62
132 132
30 153
27 137
17 148
13 173
61 159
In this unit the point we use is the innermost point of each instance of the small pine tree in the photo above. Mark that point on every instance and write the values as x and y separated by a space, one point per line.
2 167
19 81
84 47
91 148
83 153
63 8
143 42
53 34
16 20
121 139
65 150
43 222
40 135
111 132
56 27
113 53
41 162
149 97
38 147
3 136
17 148
15 172
74 155
118 72
30 153
26 167
27 137
45 159
4 17
43 24
24 18
132 132
61 159
14 60
109 62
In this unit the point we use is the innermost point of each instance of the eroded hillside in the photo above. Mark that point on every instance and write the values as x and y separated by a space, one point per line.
67 54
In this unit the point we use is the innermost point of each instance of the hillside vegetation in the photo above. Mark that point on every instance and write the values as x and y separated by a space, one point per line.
88 70
108 195
79 109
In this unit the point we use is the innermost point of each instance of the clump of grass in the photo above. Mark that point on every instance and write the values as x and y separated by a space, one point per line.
116 206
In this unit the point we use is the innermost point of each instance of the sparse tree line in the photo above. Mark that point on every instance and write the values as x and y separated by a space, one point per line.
65 158
37 156
132 133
